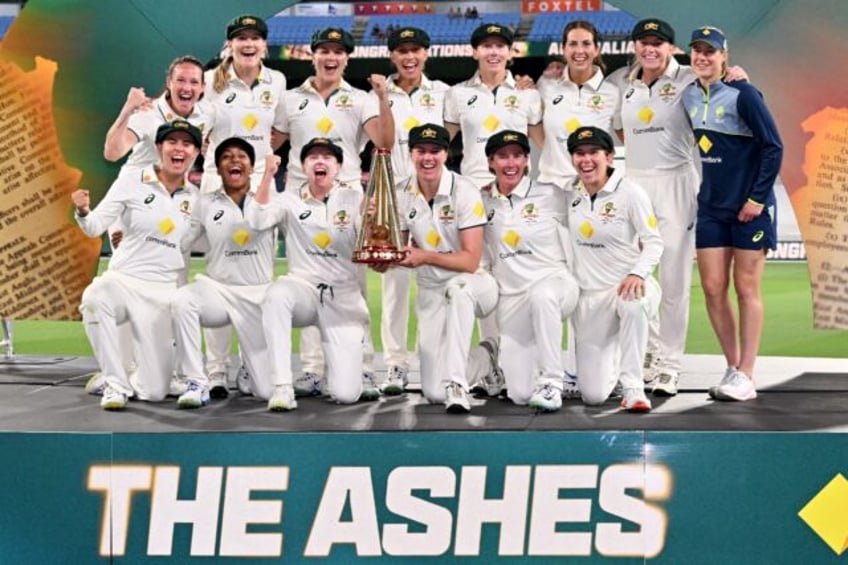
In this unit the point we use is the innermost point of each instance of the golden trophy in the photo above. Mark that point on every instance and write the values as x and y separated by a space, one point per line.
379 241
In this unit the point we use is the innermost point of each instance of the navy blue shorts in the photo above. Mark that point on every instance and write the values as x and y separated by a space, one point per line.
759 233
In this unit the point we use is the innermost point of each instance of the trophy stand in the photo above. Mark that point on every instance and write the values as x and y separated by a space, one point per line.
379 241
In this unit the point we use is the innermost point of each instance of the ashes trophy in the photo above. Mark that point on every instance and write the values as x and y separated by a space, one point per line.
379 241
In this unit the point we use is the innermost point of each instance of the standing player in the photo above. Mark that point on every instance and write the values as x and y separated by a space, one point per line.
248 99
415 100
322 285
325 105
444 215
741 152
155 208
616 248
239 269
536 289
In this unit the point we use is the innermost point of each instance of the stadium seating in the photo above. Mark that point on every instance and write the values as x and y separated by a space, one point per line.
440 28
548 27
284 30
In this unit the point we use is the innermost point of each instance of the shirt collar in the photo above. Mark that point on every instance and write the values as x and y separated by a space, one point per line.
264 75
594 81
445 184
426 84
307 86
477 81
670 71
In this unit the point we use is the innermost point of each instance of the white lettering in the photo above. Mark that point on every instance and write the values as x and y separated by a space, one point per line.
549 509
117 484
240 510
440 482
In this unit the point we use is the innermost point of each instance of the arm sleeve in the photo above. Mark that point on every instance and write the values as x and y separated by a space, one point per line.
753 110
195 230
280 120
451 109
262 217
645 223
107 211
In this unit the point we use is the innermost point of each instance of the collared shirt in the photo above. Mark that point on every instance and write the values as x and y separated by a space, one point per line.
657 134
523 235
613 234
154 222
436 225
424 105
740 146
238 254
569 106
320 234
340 118
481 112
246 111
145 123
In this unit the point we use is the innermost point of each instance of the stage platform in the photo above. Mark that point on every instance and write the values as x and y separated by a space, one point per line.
45 394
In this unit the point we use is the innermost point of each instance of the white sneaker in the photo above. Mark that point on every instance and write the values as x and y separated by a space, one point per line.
177 385
738 386
369 387
456 400
195 396
546 398
309 384
650 366
634 400
396 380
96 384
112 399
570 389
665 384
243 381
218 386
282 400
727 373
493 382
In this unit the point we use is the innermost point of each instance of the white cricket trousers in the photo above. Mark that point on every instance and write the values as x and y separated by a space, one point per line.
445 325
115 298
394 318
674 195
531 334
210 304
340 314
611 336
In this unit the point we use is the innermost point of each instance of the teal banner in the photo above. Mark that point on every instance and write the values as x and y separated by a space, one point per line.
537 497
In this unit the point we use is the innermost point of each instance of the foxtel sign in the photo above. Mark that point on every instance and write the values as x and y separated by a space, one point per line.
240 511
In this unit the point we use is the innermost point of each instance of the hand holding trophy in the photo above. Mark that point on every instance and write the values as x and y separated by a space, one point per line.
379 242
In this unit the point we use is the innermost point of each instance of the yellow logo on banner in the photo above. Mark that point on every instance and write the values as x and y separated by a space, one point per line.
241 237
572 125
491 123
166 226
827 514
249 122
323 240
646 115
705 144
511 238
586 230
325 124
433 238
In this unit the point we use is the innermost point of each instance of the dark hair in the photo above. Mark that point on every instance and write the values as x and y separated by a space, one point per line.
596 38
183 60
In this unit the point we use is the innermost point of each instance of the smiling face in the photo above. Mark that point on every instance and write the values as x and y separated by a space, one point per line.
492 54
235 168
321 168
248 48
708 62
652 53
580 50
177 152
510 165
428 159
409 59
185 86
330 60
592 164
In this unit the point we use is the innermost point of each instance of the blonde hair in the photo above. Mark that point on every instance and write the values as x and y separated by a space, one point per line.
221 76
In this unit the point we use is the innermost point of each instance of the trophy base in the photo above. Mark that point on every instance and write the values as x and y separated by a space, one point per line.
378 255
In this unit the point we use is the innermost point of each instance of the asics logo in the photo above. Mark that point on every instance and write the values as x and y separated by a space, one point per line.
757 236
305 215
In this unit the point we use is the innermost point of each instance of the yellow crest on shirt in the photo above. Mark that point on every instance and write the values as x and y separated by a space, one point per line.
166 226
323 240
249 122
652 222
241 237
512 238
586 230
433 238
479 210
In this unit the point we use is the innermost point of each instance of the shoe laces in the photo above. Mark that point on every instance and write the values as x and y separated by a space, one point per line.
548 392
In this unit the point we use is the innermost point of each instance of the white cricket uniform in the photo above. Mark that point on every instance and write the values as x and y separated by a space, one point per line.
246 111
660 157
140 281
145 123
480 112
424 105
239 269
568 106
537 289
613 235
448 301
340 118
322 285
